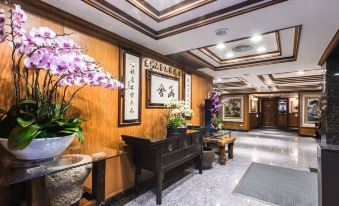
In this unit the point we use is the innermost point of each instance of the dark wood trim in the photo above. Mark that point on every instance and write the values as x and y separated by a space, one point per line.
195 58
121 100
45 10
175 10
296 44
273 92
229 12
330 47
149 73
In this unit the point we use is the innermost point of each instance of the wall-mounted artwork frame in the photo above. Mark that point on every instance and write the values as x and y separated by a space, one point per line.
309 109
160 88
233 109
130 97
187 89
293 105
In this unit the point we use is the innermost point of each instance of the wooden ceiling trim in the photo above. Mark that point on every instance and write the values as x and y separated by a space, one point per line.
263 62
170 12
333 43
229 12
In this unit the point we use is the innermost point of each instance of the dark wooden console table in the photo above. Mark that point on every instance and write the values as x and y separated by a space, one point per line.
164 154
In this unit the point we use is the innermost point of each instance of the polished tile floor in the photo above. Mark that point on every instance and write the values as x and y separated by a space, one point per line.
214 187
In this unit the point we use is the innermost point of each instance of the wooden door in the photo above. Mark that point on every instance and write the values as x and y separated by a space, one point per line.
269 112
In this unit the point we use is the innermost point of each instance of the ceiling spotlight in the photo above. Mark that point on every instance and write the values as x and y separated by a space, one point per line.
221 46
336 74
261 49
256 38
229 55
218 80
300 72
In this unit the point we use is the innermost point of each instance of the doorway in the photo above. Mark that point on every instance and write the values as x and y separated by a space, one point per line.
269 112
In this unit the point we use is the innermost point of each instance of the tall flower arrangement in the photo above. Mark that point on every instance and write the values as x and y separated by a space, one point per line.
44 65
216 122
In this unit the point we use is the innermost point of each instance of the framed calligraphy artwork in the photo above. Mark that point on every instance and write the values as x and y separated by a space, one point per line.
187 91
130 96
160 88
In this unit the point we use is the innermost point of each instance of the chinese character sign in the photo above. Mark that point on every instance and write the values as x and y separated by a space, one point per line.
188 90
132 82
163 88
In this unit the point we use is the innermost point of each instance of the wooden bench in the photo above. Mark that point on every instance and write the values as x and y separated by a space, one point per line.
221 143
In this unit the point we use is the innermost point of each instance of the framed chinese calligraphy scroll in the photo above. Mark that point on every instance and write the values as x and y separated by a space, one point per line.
130 96
160 88
187 91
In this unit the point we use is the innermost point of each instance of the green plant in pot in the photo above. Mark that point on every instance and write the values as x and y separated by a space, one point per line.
177 116
44 67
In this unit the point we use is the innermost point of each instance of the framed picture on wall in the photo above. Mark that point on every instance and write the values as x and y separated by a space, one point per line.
293 105
310 109
160 88
233 108
187 91
253 105
130 96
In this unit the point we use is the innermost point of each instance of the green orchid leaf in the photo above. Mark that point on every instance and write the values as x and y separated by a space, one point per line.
81 136
23 122
20 137
27 101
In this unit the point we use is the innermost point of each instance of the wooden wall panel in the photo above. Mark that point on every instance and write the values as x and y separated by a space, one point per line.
254 121
293 119
245 126
306 131
99 106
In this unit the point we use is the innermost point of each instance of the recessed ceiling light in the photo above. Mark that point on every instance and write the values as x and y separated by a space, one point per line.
221 32
218 80
256 38
221 46
336 74
229 55
261 49
300 72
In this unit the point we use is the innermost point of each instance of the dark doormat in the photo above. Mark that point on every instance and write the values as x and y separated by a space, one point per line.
279 185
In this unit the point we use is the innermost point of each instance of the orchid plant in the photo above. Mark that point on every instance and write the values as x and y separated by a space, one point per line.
177 113
44 65
216 122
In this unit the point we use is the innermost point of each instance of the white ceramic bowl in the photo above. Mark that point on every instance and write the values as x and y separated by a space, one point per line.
41 148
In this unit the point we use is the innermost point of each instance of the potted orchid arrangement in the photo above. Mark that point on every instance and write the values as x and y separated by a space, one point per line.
44 66
177 116
216 122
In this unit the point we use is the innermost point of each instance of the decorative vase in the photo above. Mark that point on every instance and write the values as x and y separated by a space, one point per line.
208 156
40 149
176 131
66 187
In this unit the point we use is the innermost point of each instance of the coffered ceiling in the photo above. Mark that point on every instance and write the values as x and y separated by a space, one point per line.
292 34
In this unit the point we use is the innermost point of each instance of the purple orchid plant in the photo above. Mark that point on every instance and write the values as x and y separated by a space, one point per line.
44 65
216 122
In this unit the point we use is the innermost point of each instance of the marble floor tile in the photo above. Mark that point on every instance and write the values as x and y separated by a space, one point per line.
215 186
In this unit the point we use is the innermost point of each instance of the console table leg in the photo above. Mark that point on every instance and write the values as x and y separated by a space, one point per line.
98 181
159 187
230 150
222 155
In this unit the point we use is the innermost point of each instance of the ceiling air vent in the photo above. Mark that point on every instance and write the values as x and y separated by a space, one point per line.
242 47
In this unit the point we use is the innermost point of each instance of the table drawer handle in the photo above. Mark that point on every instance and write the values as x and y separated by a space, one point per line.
170 147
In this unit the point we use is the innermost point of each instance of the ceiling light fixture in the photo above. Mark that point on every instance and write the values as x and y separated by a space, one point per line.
256 38
221 32
300 72
336 74
261 49
221 46
218 80
229 55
